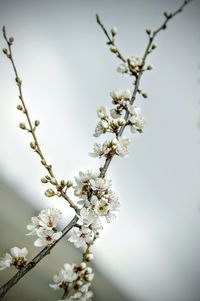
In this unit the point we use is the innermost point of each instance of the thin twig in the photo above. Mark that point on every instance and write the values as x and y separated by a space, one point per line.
138 78
31 128
29 266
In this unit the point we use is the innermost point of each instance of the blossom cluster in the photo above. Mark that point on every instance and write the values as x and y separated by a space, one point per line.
16 258
132 66
98 201
44 227
77 276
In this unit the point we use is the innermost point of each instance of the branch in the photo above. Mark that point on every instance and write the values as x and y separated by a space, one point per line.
148 50
29 266
32 128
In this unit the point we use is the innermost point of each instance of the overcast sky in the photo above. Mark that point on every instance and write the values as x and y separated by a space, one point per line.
152 249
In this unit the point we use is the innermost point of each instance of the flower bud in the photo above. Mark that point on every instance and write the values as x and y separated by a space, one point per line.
22 126
83 265
113 49
33 145
44 180
49 193
89 277
37 122
114 31
69 183
53 181
148 31
149 67
88 257
19 107
144 94
10 40
5 51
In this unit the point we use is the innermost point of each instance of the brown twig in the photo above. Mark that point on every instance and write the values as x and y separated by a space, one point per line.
29 266
138 78
31 127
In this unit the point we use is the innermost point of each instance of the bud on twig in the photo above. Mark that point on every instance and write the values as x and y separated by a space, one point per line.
22 126
49 193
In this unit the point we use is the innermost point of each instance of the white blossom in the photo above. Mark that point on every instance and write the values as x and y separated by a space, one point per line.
101 112
88 216
49 217
33 226
6 261
100 184
117 95
17 252
122 144
66 275
83 185
81 237
122 68
46 236
136 120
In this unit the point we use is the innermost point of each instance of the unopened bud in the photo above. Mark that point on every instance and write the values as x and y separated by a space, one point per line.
148 31
19 107
83 265
11 40
114 31
89 277
149 67
53 181
33 145
44 180
5 51
88 257
153 46
69 183
22 126
144 94
37 122
49 193
113 49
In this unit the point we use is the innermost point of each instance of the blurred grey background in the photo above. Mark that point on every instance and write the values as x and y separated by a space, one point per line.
151 251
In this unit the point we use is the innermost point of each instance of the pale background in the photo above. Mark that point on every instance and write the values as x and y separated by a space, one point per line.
151 252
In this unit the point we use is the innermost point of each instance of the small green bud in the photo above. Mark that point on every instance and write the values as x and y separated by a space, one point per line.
144 94
63 183
19 107
53 181
148 31
37 122
5 51
22 126
149 67
49 193
44 180
153 46
48 177
33 145
113 49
